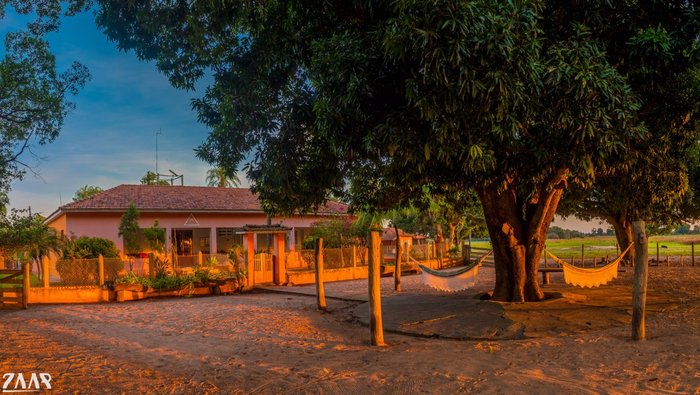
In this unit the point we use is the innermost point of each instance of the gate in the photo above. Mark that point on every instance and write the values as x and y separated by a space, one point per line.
14 291
263 268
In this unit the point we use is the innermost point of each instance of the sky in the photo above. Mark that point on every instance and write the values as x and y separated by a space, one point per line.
110 137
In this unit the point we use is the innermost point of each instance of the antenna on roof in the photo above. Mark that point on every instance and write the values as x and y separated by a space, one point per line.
159 132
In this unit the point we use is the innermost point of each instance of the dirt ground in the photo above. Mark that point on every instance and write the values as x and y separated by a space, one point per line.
262 343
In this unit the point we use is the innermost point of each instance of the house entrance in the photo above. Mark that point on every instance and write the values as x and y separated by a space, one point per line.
263 268
183 241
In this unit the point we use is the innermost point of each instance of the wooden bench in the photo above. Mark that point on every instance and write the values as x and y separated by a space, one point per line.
545 273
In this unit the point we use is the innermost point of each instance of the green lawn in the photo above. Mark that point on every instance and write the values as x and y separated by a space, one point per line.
33 279
605 245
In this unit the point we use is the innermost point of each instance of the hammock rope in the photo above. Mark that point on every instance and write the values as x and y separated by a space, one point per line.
452 280
590 277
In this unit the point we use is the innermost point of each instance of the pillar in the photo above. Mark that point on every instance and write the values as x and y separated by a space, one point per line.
213 248
292 240
250 257
168 240
280 270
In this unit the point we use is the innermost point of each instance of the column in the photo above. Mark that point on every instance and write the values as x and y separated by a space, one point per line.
213 249
280 270
250 257
292 239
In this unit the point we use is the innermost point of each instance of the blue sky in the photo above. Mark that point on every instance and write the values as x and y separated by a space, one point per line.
109 139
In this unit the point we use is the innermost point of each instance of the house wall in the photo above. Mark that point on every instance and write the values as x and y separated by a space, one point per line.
106 225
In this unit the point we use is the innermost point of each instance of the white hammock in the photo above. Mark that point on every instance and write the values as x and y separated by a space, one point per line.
452 280
590 277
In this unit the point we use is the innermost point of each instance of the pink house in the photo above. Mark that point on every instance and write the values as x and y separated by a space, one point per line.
209 220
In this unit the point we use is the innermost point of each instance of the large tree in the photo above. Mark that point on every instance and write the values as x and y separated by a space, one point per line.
33 93
656 49
375 100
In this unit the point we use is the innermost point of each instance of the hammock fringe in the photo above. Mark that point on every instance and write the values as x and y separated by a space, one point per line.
452 280
590 277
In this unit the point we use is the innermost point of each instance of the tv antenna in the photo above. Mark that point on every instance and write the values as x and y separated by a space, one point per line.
159 132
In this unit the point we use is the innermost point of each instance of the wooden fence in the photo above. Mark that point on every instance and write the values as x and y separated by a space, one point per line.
14 292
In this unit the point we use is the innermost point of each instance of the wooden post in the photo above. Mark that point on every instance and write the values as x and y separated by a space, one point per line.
639 286
200 258
250 258
318 259
376 329
101 269
469 250
658 260
692 253
47 270
668 262
545 255
583 257
25 285
397 269
151 265
354 260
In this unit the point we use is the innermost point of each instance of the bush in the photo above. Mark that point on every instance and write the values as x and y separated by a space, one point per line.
90 247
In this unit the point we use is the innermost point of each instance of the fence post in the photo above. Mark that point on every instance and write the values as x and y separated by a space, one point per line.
397 268
692 253
45 263
639 286
583 258
25 285
376 329
200 258
101 269
658 259
318 259
354 260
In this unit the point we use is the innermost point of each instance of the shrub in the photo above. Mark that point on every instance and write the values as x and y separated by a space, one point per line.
90 247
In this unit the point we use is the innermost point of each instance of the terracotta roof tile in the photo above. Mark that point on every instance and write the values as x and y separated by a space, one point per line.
186 198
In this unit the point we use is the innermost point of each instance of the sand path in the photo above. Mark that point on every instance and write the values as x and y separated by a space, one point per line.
279 343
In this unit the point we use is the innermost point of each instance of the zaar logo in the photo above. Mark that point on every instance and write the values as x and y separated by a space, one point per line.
17 382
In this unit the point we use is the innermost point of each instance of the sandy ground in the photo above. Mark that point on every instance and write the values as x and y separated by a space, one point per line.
264 343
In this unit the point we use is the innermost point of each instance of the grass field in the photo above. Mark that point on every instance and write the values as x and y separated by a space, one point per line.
602 246
33 280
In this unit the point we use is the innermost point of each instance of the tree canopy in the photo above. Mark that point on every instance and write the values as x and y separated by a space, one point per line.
656 49
86 192
374 101
34 95
222 178
151 178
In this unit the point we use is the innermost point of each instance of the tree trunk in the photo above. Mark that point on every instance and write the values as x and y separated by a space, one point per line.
453 227
518 229
624 235
439 244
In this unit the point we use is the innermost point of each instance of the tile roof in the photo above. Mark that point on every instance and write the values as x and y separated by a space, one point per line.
177 198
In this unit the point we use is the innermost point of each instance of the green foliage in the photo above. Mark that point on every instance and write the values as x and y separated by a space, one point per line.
89 247
86 192
222 178
335 232
161 266
34 95
155 237
129 229
654 47
151 178
131 279
25 234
